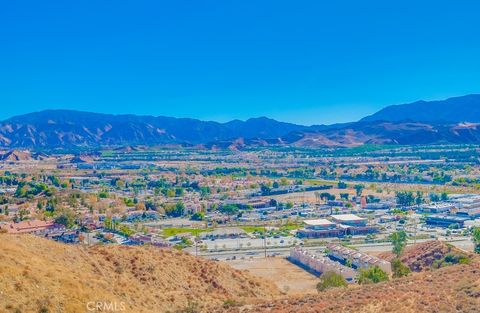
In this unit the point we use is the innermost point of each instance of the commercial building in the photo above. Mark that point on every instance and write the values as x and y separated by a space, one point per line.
336 203
389 218
340 226
319 224
149 239
378 206
437 207
466 205
471 211
349 219
353 224
445 220
320 228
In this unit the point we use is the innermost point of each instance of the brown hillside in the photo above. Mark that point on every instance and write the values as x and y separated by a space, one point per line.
422 256
16 155
450 289
454 288
36 273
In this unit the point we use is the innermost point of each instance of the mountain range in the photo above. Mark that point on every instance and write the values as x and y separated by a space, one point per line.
454 120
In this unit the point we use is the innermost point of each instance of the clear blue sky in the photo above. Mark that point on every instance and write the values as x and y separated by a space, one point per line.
308 62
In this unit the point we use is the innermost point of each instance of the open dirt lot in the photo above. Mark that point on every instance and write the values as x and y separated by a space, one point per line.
287 276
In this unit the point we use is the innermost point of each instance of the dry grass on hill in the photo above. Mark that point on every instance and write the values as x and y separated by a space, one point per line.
451 289
37 274
422 256
454 288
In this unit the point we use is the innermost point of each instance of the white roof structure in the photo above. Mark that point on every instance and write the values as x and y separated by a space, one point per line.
438 206
318 222
347 217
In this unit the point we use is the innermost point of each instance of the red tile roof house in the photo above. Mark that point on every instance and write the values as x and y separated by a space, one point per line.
36 227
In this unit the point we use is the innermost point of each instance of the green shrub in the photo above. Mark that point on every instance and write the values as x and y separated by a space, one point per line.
451 259
331 280
399 269
371 275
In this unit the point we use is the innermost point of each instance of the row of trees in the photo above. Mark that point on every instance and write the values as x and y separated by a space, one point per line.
408 198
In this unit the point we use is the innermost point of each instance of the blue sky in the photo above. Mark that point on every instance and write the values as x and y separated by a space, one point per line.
309 62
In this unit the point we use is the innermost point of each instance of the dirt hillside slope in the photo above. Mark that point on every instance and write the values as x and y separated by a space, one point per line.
423 256
37 275
453 288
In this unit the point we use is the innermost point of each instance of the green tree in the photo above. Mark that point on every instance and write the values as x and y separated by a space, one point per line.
125 230
179 192
342 185
371 275
399 241
405 198
265 190
171 193
444 196
331 280
399 269
229 209
23 213
419 198
434 197
176 210
358 189
476 239
66 218
198 216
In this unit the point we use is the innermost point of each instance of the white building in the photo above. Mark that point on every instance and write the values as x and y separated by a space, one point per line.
320 264
357 258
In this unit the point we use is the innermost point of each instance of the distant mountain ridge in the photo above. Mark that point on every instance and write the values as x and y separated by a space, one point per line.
456 109
454 120
54 128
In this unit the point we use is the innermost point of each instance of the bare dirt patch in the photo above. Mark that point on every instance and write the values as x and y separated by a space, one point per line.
288 277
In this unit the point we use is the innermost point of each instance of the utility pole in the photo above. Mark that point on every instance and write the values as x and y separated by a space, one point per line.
412 213
415 231
303 195
265 239
197 241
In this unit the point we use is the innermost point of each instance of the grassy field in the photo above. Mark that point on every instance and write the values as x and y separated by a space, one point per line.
252 229
173 231
291 226
260 228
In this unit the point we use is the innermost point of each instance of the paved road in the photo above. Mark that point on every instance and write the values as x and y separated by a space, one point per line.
462 243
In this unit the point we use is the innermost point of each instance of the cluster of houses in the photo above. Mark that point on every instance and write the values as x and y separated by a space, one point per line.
356 258
47 229
338 259
35 227
319 264
149 239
